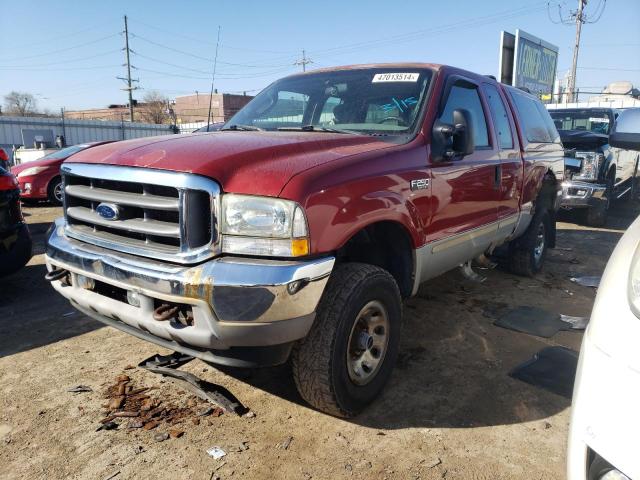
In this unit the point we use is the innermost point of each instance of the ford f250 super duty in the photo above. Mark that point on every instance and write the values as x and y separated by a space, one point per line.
296 230
596 173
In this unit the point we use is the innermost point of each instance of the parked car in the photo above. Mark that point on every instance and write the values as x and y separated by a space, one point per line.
41 180
605 420
596 173
297 230
212 127
4 159
15 239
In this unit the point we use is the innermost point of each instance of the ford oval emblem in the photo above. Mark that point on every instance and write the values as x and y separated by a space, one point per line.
108 211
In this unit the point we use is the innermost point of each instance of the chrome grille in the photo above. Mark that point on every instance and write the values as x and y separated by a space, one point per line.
158 214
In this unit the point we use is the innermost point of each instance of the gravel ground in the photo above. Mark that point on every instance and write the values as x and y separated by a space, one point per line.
450 410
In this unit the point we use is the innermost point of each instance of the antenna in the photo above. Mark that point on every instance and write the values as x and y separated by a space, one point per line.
213 78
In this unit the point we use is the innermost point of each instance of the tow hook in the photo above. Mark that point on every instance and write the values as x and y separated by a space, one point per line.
168 312
56 274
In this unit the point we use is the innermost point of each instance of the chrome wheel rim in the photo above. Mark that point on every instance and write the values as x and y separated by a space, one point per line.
368 342
538 250
57 192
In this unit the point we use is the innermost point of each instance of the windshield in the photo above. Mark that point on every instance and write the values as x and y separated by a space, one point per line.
380 101
598 121
65 152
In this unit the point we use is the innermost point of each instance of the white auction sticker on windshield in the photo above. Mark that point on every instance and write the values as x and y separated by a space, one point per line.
598 120
395 77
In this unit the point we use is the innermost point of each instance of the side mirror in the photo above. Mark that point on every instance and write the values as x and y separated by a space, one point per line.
626 131
450 141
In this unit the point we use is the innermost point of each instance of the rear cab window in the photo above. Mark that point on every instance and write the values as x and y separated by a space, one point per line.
537 125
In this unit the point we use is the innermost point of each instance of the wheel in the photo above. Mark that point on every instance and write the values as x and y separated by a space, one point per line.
527 253
54 191
596 215
348 356
18 254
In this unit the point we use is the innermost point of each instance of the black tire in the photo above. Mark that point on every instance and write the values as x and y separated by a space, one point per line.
18 254
526 255
596 215
599 468
321 368
54 191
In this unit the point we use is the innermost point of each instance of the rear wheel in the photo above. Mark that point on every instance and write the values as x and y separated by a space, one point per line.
596 215
526 254
348 356
54 191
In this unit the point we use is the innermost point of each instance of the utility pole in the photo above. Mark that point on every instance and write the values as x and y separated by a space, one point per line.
304 61
129 87
572 79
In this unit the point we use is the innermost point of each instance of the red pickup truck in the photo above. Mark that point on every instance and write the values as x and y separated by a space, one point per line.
298 228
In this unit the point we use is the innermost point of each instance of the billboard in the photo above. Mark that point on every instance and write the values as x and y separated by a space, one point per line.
528 61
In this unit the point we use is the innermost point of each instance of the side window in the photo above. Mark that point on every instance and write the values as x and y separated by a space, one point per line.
467 97
328 114
538 126
500 117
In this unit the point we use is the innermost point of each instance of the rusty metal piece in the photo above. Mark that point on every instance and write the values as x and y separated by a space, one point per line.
135 424
122 378
175 433
151 425
122 389
116 402
165 312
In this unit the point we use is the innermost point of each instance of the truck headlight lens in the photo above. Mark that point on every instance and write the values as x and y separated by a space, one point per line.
268 226
634 283
27 172
590 164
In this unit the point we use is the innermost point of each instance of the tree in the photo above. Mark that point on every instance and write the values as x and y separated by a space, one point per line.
20 103
155 108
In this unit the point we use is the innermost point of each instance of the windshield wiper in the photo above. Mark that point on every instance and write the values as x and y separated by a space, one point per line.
236 127
312 128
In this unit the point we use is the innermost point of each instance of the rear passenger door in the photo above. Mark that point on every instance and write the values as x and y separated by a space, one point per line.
510 172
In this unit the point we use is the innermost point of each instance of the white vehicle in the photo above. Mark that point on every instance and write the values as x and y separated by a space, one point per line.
604 436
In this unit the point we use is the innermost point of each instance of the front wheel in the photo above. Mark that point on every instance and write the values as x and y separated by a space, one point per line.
54 191
348 356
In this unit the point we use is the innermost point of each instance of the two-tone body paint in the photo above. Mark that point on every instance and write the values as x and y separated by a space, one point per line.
346 182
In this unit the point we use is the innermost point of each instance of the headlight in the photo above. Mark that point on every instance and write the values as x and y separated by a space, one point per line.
27 172
590 164
263 226
634 283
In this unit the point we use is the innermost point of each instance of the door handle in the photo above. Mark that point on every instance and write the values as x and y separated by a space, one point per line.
497 179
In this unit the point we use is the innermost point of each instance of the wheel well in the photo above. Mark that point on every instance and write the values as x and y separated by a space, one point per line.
52 181
386 245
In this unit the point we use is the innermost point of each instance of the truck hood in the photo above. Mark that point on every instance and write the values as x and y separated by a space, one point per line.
259 163
583 140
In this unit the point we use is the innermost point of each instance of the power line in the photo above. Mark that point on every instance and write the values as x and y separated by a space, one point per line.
46 54
304 61
63 62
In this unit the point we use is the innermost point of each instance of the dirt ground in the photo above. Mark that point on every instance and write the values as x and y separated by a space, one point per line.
450 410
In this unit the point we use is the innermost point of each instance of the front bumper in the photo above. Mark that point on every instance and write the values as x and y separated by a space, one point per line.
240 306
577 194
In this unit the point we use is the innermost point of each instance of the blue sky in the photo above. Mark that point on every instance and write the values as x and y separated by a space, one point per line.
69 52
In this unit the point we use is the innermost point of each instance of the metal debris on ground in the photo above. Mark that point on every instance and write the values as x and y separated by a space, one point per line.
587 281
285 443
216 452
577 323
167 365
80 389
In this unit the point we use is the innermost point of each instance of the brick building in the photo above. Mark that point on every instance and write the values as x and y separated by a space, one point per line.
195 108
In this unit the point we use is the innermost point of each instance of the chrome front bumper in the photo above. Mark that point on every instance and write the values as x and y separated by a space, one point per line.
577 194
236 302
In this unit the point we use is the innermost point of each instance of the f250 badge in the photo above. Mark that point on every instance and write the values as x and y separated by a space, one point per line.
419 184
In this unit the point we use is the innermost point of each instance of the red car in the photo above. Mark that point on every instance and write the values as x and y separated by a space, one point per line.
40 179
15 240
